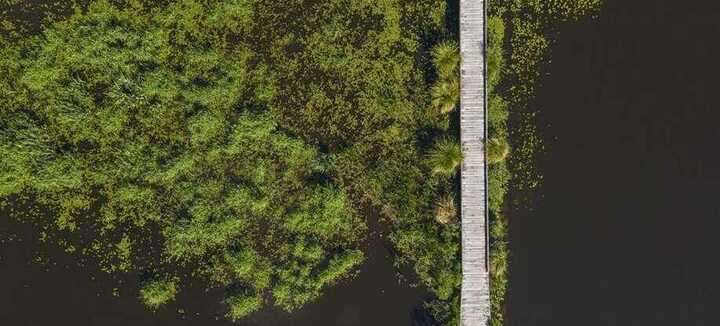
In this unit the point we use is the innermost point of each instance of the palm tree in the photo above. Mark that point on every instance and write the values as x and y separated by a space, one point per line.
445 95
447 59
497 150
445 157
445 210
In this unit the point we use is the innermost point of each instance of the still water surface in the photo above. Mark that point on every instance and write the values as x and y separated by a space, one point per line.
61 293
626 229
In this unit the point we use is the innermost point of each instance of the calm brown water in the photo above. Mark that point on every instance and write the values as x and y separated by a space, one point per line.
626 229
62 293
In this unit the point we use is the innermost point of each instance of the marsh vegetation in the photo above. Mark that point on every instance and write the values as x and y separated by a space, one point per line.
235 143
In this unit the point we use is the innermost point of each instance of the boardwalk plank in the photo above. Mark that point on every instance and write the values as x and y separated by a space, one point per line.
475 292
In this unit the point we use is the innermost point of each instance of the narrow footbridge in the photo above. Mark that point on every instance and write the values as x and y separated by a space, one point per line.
475 291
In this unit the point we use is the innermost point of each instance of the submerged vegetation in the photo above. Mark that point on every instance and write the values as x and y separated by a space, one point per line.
518 38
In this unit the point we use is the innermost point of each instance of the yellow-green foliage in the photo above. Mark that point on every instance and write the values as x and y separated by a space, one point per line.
494 56
446 58
19 18
497 150
156 293
570 9
446 94
297 285
445 210
554 11
446 91
242 305
445 157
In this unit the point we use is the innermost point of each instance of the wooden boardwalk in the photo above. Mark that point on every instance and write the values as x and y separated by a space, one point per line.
475 291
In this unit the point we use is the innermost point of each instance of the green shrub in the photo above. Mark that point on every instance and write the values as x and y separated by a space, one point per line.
240 306
445 210
130 122
446 57
494 54
445 95
445 157
497 149
156 293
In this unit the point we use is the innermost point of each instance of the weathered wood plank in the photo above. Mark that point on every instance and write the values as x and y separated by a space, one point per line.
475 291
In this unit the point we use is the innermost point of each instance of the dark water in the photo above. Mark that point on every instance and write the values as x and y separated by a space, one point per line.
61 293
626 231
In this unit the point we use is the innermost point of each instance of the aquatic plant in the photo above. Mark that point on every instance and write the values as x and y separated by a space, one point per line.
515 56
155 293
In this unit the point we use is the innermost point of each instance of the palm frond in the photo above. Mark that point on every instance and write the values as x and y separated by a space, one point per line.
445 157
445 95
497 150
446 58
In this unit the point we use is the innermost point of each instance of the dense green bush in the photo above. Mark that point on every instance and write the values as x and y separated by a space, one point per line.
241 306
